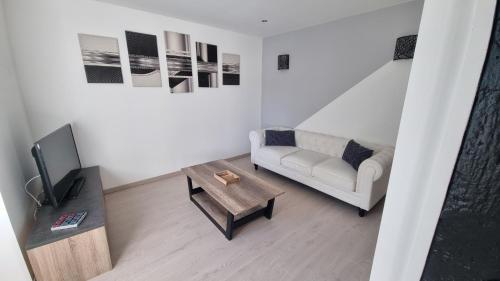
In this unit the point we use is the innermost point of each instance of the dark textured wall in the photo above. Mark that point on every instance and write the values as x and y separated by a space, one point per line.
466 244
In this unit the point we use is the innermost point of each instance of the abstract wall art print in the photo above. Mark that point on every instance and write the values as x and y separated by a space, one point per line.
144 61
230 69
101 58
206 57
180 67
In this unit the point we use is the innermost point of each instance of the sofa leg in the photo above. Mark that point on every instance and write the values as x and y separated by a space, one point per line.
256 167
361 212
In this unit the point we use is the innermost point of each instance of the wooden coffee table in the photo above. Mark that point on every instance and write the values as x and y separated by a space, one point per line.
229 207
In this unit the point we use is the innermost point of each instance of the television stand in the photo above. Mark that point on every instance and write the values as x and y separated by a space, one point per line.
78 253
76 186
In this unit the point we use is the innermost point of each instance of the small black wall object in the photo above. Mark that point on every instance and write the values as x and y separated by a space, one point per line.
283 62
405 47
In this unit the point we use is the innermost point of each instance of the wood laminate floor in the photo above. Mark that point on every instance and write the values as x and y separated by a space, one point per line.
156 233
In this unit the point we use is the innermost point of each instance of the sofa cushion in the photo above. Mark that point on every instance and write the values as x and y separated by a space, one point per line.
355 153
326 144
281 138
336 172
273 154
303 161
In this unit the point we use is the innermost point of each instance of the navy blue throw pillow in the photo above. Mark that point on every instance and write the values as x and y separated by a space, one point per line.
355 153
281 138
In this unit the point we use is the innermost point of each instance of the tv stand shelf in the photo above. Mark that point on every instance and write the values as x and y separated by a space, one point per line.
73 254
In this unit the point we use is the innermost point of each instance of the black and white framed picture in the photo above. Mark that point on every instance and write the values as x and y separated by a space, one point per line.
180 67
144 61
206 57
283 62
101 58
230 69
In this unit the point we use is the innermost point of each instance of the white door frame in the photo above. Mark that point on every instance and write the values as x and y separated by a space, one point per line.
452 45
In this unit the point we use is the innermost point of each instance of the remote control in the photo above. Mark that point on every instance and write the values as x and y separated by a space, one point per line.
69 220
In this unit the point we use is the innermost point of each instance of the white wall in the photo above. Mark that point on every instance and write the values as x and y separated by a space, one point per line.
449 57
369 111
12 265
329 59
15 167
133 133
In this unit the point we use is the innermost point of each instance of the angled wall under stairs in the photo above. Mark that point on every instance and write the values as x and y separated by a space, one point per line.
370 110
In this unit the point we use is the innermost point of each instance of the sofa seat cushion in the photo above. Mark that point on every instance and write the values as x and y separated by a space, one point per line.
336 172
273 154
303 161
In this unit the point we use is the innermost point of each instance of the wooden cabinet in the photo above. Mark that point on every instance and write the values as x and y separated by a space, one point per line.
74 254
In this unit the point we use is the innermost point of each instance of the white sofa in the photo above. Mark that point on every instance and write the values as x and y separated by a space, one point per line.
316 161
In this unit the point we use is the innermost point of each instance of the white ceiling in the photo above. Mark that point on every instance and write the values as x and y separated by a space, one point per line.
245 16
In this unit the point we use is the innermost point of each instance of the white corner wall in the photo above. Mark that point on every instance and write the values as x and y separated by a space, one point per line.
328 59
369 111
12 265
133 133
15 167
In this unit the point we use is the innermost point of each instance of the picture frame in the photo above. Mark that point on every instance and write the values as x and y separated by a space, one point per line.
283 62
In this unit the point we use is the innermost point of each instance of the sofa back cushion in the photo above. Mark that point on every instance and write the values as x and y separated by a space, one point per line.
326 144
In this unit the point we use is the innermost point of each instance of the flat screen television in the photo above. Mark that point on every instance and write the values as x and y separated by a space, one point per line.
59 165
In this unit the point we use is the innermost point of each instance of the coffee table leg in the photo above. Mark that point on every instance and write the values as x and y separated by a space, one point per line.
269 209
190 186
229 226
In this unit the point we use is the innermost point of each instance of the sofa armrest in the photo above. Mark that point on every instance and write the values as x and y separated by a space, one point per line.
375 166
256 142
373 175
256 138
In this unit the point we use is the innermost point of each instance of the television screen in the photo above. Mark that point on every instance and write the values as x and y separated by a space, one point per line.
58 163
